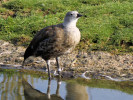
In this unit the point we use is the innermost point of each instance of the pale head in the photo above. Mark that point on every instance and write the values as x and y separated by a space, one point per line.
71 18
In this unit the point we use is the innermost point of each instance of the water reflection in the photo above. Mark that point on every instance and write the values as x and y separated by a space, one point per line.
17 88
10 87
28 87
33 94
73 92
76 92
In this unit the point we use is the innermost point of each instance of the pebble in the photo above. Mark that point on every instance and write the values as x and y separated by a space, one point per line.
78 61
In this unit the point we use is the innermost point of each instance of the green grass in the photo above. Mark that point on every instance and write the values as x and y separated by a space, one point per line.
107 25
11 72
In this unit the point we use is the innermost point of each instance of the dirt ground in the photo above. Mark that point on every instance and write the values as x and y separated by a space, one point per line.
93 64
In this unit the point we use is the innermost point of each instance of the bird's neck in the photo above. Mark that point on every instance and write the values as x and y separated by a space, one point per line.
70 23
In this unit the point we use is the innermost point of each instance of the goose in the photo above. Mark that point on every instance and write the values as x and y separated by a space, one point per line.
55 40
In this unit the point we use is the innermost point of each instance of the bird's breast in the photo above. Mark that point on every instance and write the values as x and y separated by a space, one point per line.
72 36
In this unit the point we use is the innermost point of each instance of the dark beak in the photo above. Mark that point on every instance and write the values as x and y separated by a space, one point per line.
79 15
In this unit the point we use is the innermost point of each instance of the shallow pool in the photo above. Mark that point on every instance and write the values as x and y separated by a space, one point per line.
30 87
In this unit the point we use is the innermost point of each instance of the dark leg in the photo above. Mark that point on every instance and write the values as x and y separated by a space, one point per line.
58 67
48 66
48 89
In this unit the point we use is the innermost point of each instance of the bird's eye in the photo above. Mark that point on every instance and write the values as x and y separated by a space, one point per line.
71 14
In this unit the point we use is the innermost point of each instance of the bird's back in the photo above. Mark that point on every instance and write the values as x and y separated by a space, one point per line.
53 41
38 38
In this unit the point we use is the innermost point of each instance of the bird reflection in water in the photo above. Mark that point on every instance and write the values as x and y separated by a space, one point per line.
11 89
76 92
33 94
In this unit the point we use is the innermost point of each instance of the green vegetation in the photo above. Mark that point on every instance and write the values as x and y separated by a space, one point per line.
8 70
107 24
11 72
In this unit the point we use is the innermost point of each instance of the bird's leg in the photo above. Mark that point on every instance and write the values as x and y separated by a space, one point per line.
58 67
58 86
48 66
48 89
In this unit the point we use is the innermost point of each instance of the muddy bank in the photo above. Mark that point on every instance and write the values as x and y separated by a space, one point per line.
96 64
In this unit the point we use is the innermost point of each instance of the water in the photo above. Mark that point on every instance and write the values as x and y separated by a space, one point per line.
14 87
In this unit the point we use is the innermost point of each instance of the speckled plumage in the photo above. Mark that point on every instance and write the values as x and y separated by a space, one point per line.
56 40
53 41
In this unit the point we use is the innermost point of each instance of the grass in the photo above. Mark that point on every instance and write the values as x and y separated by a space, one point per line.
11 72
107 24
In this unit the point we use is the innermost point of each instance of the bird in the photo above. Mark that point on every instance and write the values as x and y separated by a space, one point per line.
33 94
55 40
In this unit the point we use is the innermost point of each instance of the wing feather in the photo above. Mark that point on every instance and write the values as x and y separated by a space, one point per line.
44 35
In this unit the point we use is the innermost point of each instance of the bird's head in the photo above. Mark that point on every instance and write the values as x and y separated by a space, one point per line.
71 18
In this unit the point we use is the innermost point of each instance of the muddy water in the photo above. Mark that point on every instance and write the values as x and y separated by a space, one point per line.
30 87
